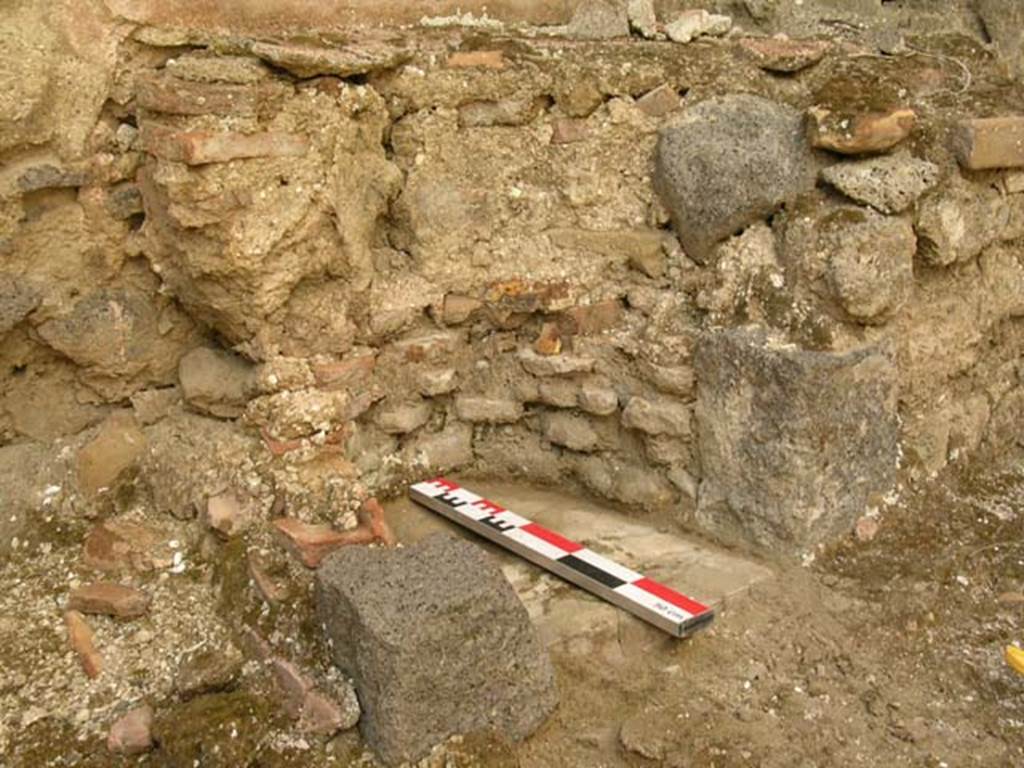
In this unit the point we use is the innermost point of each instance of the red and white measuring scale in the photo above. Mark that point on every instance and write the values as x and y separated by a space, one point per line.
645 598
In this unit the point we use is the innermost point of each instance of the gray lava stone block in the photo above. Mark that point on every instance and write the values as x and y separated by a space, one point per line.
793 442
437 643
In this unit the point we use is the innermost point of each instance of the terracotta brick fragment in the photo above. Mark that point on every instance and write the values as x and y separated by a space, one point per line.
201 147
109 599
80 638
995 142
480 59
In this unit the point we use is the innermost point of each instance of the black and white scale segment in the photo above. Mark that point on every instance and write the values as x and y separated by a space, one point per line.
651 601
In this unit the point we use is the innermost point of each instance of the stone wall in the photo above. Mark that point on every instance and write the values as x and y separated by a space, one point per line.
513 251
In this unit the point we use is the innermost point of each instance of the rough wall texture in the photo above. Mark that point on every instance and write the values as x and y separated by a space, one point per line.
442 249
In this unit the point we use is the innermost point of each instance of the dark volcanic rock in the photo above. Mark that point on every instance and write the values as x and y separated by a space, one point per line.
728 162
437 643
793 442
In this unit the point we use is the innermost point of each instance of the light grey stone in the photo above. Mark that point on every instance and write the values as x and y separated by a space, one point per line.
437 382
696 23
657 416
959 221
403 417
705 161
436 642
871 262
570 431
450 448
558 393
488 410
216 381
889 184
554 365
792 442
631 484
598 400
599 20
642 17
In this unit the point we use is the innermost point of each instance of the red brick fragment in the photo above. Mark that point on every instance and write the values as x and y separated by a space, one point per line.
109 599
80 638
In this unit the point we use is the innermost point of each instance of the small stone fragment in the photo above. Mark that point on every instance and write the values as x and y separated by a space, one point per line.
352 58
488 410
371 515
600 401
403 417
216 381
578 98
650 261
861 133
570 431
870 266
208 670
312 543
203 66
590 319
644 734
889 184
512 112
995 142
642 18
115 449
599 20
959 221
866 528
131 734
226 515
80 638
316 712
555 365
780 54
476 59
690 25
448 449
549 342
657 416
108 599
568 130
116 545
659 102
458 309
433 383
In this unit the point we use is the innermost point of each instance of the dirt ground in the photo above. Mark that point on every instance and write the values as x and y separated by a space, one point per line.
887 652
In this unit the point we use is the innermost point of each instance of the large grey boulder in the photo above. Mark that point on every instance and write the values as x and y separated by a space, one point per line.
437 643
793 443
728 162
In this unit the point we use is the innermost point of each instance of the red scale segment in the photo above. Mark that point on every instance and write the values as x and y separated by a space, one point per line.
671 596
552 538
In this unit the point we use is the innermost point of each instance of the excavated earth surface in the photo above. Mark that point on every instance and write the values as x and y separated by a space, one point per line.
881 652
256 270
